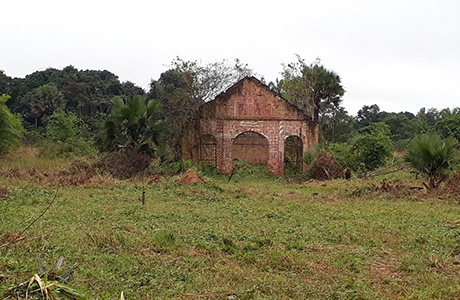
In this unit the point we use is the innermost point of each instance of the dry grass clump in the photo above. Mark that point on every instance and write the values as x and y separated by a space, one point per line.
125 163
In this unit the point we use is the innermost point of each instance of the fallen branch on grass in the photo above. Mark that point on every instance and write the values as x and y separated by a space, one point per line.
20 237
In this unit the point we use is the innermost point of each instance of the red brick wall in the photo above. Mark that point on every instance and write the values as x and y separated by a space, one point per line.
251 106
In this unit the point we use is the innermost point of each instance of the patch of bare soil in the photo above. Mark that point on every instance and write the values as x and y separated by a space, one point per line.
384 269
191 177
3 193
325 167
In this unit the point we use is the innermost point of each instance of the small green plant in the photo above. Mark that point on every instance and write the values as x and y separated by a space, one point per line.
432 156
47 285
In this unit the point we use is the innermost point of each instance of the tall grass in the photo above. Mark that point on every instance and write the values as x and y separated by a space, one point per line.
27 157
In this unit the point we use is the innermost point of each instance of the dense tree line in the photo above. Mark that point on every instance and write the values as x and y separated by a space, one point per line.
96 109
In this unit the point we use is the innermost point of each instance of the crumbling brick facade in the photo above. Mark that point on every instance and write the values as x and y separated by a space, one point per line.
248 106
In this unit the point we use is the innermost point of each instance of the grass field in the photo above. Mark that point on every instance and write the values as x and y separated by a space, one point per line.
255 237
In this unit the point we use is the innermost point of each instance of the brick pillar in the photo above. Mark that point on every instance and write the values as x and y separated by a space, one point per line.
227 165
219 144
275 164
224 148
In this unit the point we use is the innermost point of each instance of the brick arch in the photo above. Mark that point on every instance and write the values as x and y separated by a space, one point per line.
251 146
240 131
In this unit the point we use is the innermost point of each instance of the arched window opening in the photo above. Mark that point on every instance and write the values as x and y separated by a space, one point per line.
207 148
293 154
251 147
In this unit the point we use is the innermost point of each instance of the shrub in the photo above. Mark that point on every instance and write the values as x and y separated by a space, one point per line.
11 129
431 155
373 146
65 136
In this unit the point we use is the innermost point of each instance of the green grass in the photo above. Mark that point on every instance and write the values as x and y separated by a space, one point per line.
252 238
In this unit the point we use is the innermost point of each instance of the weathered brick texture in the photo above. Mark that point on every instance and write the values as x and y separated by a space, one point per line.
249 106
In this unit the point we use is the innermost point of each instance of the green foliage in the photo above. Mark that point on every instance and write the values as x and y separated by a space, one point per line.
11 130
136 123
310 156
432 155
402 125
186 86
66 135
306 86
372 146
449 124
345 155
368 114
45 100
368 150
174 167
336 125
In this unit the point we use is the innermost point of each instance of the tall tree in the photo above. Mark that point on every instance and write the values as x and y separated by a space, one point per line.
306 86
206 81
46 99
368 114
186 86
337 126
449 124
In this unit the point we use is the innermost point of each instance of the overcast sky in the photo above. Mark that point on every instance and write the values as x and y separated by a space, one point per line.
399 54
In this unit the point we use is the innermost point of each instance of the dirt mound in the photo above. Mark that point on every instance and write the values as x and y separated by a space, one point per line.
325 167
191 177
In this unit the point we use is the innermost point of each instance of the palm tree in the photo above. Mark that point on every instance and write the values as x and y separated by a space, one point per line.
431 155
135 122
46 100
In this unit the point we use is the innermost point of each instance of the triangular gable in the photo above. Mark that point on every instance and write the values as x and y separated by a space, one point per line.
250 98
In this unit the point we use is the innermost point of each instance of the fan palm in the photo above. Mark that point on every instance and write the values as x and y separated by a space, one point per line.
135 122
431 155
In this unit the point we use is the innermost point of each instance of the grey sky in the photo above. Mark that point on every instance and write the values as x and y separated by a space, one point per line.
401 55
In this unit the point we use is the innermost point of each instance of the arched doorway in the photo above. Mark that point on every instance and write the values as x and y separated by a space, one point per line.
251 147
207 148
293 153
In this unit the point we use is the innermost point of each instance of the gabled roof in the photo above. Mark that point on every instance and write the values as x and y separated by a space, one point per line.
239 85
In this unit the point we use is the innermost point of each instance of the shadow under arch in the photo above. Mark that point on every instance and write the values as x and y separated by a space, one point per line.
252 147
207 149
293 152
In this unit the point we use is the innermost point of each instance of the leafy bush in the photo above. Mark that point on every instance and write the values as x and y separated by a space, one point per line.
373 146
65 136
344 154
310 156
433 156
11 129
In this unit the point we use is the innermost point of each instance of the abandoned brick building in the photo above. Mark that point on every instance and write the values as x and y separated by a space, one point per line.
250 122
